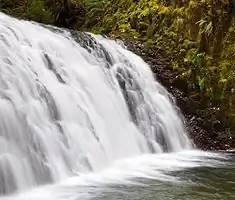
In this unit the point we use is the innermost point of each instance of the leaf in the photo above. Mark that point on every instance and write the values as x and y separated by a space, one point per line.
201 83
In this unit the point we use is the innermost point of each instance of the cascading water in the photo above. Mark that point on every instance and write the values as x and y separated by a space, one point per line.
70 106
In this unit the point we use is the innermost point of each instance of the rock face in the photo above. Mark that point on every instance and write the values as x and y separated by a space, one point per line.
207 133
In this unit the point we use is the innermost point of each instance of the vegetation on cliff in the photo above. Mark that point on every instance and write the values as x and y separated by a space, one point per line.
197 35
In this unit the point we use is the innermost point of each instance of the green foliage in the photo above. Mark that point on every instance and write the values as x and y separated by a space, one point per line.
31 9
199 36
36 10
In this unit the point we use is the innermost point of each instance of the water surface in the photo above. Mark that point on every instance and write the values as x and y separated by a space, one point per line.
191 175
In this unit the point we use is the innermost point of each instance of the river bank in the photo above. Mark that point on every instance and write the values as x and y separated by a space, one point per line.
209 133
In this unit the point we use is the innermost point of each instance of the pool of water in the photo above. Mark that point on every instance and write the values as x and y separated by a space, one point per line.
190 175
197 183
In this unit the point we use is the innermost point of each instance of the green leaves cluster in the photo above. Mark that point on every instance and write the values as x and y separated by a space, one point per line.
37 11
27 9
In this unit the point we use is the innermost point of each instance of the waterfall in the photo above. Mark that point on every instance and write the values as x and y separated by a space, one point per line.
73 103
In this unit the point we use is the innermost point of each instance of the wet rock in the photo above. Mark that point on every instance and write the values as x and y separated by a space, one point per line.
207 132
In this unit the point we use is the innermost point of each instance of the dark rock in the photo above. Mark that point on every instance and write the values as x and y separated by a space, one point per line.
204 128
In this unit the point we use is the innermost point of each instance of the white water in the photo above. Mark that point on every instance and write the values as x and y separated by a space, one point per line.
133 172
66 110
